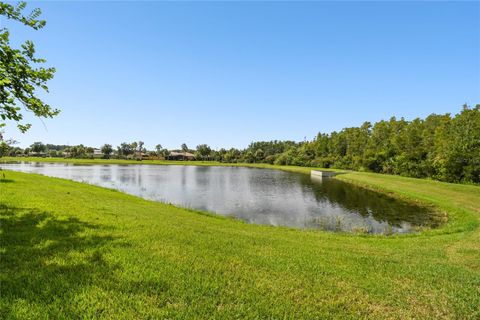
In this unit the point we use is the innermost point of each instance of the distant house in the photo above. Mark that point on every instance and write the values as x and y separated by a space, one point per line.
174 155
97 153
140 156
37 154
146 156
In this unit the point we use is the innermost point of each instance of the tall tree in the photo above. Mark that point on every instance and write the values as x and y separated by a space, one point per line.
133 147
203 151
461 160
165 153
38 147
139 149
4 148
125 149
107 150
140 145
158 149
89 151
22 74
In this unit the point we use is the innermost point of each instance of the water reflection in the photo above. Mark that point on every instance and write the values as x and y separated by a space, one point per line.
254 195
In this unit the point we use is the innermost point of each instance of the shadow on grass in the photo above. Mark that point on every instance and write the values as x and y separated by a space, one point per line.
46 259
6 181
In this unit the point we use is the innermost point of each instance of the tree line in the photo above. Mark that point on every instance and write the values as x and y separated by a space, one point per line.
441 147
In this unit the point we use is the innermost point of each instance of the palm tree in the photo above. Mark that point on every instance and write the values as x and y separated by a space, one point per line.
185 150
158 148
134 146
140 148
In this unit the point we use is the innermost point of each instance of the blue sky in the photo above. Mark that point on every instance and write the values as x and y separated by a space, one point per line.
228 73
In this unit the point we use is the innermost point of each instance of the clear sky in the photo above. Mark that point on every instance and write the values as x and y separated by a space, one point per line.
228 73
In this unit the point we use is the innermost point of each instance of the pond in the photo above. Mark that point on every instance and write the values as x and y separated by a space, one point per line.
259 196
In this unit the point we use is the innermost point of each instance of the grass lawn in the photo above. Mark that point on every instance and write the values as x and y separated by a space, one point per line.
71 250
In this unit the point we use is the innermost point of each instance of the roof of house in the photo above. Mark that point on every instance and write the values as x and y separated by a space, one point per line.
185 154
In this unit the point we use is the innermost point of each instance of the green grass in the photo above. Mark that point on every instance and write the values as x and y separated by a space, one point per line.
71 250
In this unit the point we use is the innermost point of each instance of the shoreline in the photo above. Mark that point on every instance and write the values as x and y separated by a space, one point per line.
455 221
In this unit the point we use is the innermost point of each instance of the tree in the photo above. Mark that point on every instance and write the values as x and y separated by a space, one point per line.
259 154
161 152
158 148
38 147
165 153
461 159
15 152
20 76
107 150
203 151
124 149
249 157
140 148
232 155
4 148
6 145
78 151
184 149
89 151
220 154
134 146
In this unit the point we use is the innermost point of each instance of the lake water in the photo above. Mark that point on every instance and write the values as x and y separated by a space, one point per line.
259 196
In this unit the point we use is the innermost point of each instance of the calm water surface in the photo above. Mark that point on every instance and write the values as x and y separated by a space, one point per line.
259 196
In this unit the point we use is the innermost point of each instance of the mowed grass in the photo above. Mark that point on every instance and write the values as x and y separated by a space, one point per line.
71 250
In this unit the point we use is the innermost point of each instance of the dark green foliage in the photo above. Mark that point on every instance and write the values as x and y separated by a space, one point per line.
20 75
4 149
38 147
459 159
203 152
440 147
107 150
76 151
125 149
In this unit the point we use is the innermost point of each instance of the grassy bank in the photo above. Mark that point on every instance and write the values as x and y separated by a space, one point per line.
72 250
